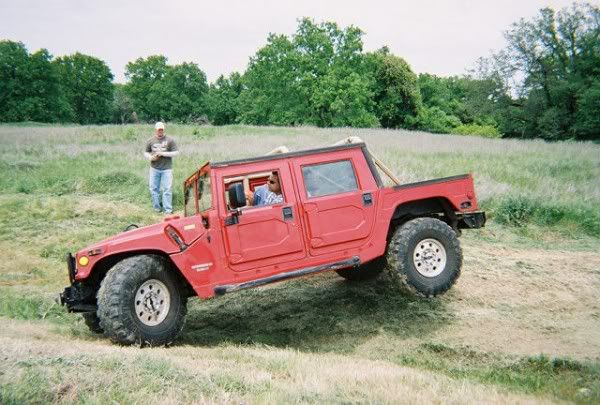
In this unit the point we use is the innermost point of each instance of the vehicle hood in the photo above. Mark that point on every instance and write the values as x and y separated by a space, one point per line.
144 239
151 237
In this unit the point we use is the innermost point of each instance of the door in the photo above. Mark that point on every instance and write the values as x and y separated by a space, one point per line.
337 204
264 235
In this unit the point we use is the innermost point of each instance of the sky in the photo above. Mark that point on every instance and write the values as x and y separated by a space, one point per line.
434 36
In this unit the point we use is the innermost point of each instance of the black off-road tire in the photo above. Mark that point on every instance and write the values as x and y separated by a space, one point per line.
364 272
92 322
406 242
117 302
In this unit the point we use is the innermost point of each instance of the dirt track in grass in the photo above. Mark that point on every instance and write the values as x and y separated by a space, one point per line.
526 301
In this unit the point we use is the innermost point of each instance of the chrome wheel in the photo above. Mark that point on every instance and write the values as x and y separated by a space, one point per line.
152 302
429 257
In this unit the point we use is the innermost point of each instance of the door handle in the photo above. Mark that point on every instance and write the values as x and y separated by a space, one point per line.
287 213
233 219
367 199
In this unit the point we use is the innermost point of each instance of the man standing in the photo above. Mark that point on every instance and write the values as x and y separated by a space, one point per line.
160 150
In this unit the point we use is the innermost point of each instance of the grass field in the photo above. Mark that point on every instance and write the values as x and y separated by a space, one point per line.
521 325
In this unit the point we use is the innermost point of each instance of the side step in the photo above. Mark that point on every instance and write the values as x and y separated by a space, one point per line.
223 289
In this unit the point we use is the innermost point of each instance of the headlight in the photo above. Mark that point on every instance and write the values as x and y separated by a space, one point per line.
83 261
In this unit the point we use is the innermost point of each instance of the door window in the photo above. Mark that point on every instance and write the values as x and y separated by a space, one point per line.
190 202
329 178
261 188
204 193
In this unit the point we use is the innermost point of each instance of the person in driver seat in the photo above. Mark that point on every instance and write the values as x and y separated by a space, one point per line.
267 194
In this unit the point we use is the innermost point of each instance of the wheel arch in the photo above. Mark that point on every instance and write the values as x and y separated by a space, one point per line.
435 207
98 272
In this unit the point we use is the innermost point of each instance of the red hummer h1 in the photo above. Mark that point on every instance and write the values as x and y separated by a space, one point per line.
329 211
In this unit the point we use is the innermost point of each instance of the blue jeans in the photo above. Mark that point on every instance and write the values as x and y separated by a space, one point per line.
161 179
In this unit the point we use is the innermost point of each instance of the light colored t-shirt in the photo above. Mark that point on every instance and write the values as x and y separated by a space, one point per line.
273 198
263 196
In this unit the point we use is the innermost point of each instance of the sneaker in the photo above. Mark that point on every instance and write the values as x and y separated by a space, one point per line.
157 210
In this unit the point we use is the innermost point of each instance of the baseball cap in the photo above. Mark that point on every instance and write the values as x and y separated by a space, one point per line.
159 125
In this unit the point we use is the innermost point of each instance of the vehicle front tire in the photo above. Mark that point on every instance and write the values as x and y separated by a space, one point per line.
424 256
366 271
141 301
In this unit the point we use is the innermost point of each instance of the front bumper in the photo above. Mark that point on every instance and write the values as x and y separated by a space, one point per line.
71 267
78 297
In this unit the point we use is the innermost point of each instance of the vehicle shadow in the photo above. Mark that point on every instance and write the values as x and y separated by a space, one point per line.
322 313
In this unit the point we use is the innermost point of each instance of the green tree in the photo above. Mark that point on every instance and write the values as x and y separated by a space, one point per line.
587 120
87 83
46 101
29 86
343 100
557 55
434 119
396 91
334 75
272 93
452 95
162 92
14 80
318 77
122 106
483 99
143 76
443 104
183 93
222 101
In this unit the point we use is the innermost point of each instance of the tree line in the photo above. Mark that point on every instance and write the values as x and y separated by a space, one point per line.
545 83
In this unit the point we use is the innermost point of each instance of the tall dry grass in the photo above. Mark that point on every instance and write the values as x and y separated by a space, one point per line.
547 184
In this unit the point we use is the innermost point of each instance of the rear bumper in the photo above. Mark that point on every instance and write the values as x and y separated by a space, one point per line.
78 297
471 220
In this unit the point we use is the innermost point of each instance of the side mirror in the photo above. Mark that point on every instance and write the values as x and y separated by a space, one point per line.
237 197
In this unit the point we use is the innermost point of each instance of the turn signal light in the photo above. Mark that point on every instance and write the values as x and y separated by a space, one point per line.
83 261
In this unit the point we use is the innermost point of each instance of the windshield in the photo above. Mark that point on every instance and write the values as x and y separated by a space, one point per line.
204 193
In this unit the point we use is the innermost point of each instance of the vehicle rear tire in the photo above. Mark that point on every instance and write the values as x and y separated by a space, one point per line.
92 322
424 256
366 271
141 301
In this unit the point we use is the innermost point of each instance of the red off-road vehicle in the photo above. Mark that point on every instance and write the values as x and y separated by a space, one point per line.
336 215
